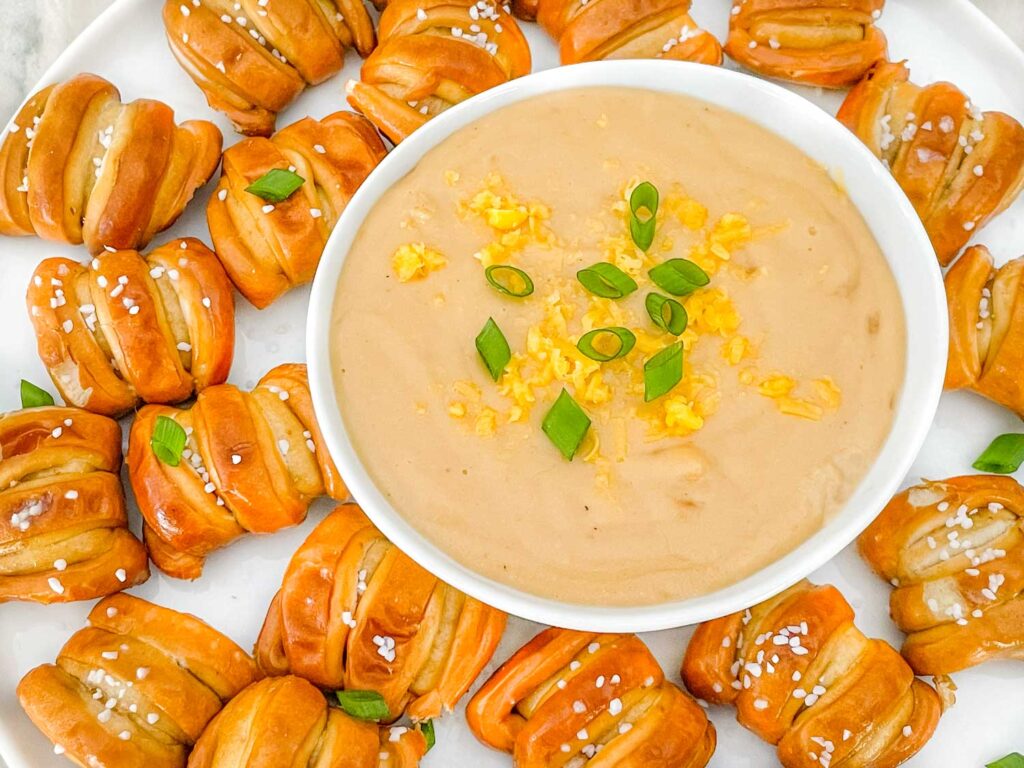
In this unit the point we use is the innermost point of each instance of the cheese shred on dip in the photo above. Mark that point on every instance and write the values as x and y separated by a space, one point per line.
793 352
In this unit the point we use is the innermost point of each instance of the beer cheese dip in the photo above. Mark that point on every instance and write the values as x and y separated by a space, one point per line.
683 481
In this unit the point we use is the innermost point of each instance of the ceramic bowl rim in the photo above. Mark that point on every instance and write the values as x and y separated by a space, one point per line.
884 207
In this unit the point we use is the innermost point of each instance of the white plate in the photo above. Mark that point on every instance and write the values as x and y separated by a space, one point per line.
943 39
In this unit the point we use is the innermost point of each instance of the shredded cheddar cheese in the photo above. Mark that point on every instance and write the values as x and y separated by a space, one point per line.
612 392
514 223
687 211
737 349
780 388
728 234
486 422
827 392
414 261
805 409
686 409
777 385
712 312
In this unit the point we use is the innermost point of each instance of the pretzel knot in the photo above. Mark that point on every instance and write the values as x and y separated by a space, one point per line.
79 166
136 687
986 327
63 528
269 248
568 698
829 43
804 678
627 29
959 166
435 54
252 462
954 550
129 327
286 721
252 59
355 612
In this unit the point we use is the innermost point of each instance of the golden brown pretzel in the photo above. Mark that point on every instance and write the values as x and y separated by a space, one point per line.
285 722
524 9
136 687
129 327
252 58
626 29
267 248
568 698
77 165
253 462
804 678
954 549
63 529
986 327
829 43
355 612
958 165
433 54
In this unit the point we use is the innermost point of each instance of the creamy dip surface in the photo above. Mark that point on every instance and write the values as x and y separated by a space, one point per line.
793 362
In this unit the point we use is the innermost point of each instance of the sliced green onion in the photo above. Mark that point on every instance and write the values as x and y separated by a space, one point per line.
33 396
363 705
606 280
587 342
168 440
663 371
566 425
1004 455
506 283
679 276
493 348
276 185
427 729
668 314
643 208
1012 760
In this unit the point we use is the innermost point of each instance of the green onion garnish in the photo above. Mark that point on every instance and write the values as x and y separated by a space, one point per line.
363 705
33 396
493 348
1012 760
663 371
606 280
1004 455
643 208
168 440
587 342
566 425
276 185
679 276
427 729
668 314
509 280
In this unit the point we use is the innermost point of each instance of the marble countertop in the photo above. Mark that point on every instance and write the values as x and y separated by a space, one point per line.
36 31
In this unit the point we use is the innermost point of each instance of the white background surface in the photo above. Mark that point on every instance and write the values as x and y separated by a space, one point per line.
941 38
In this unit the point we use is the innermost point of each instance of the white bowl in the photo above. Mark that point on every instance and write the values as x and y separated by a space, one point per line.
872 189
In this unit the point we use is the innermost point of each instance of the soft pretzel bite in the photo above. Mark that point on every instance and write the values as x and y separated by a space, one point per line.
80 166
136 687
804 678
63 528
954 551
